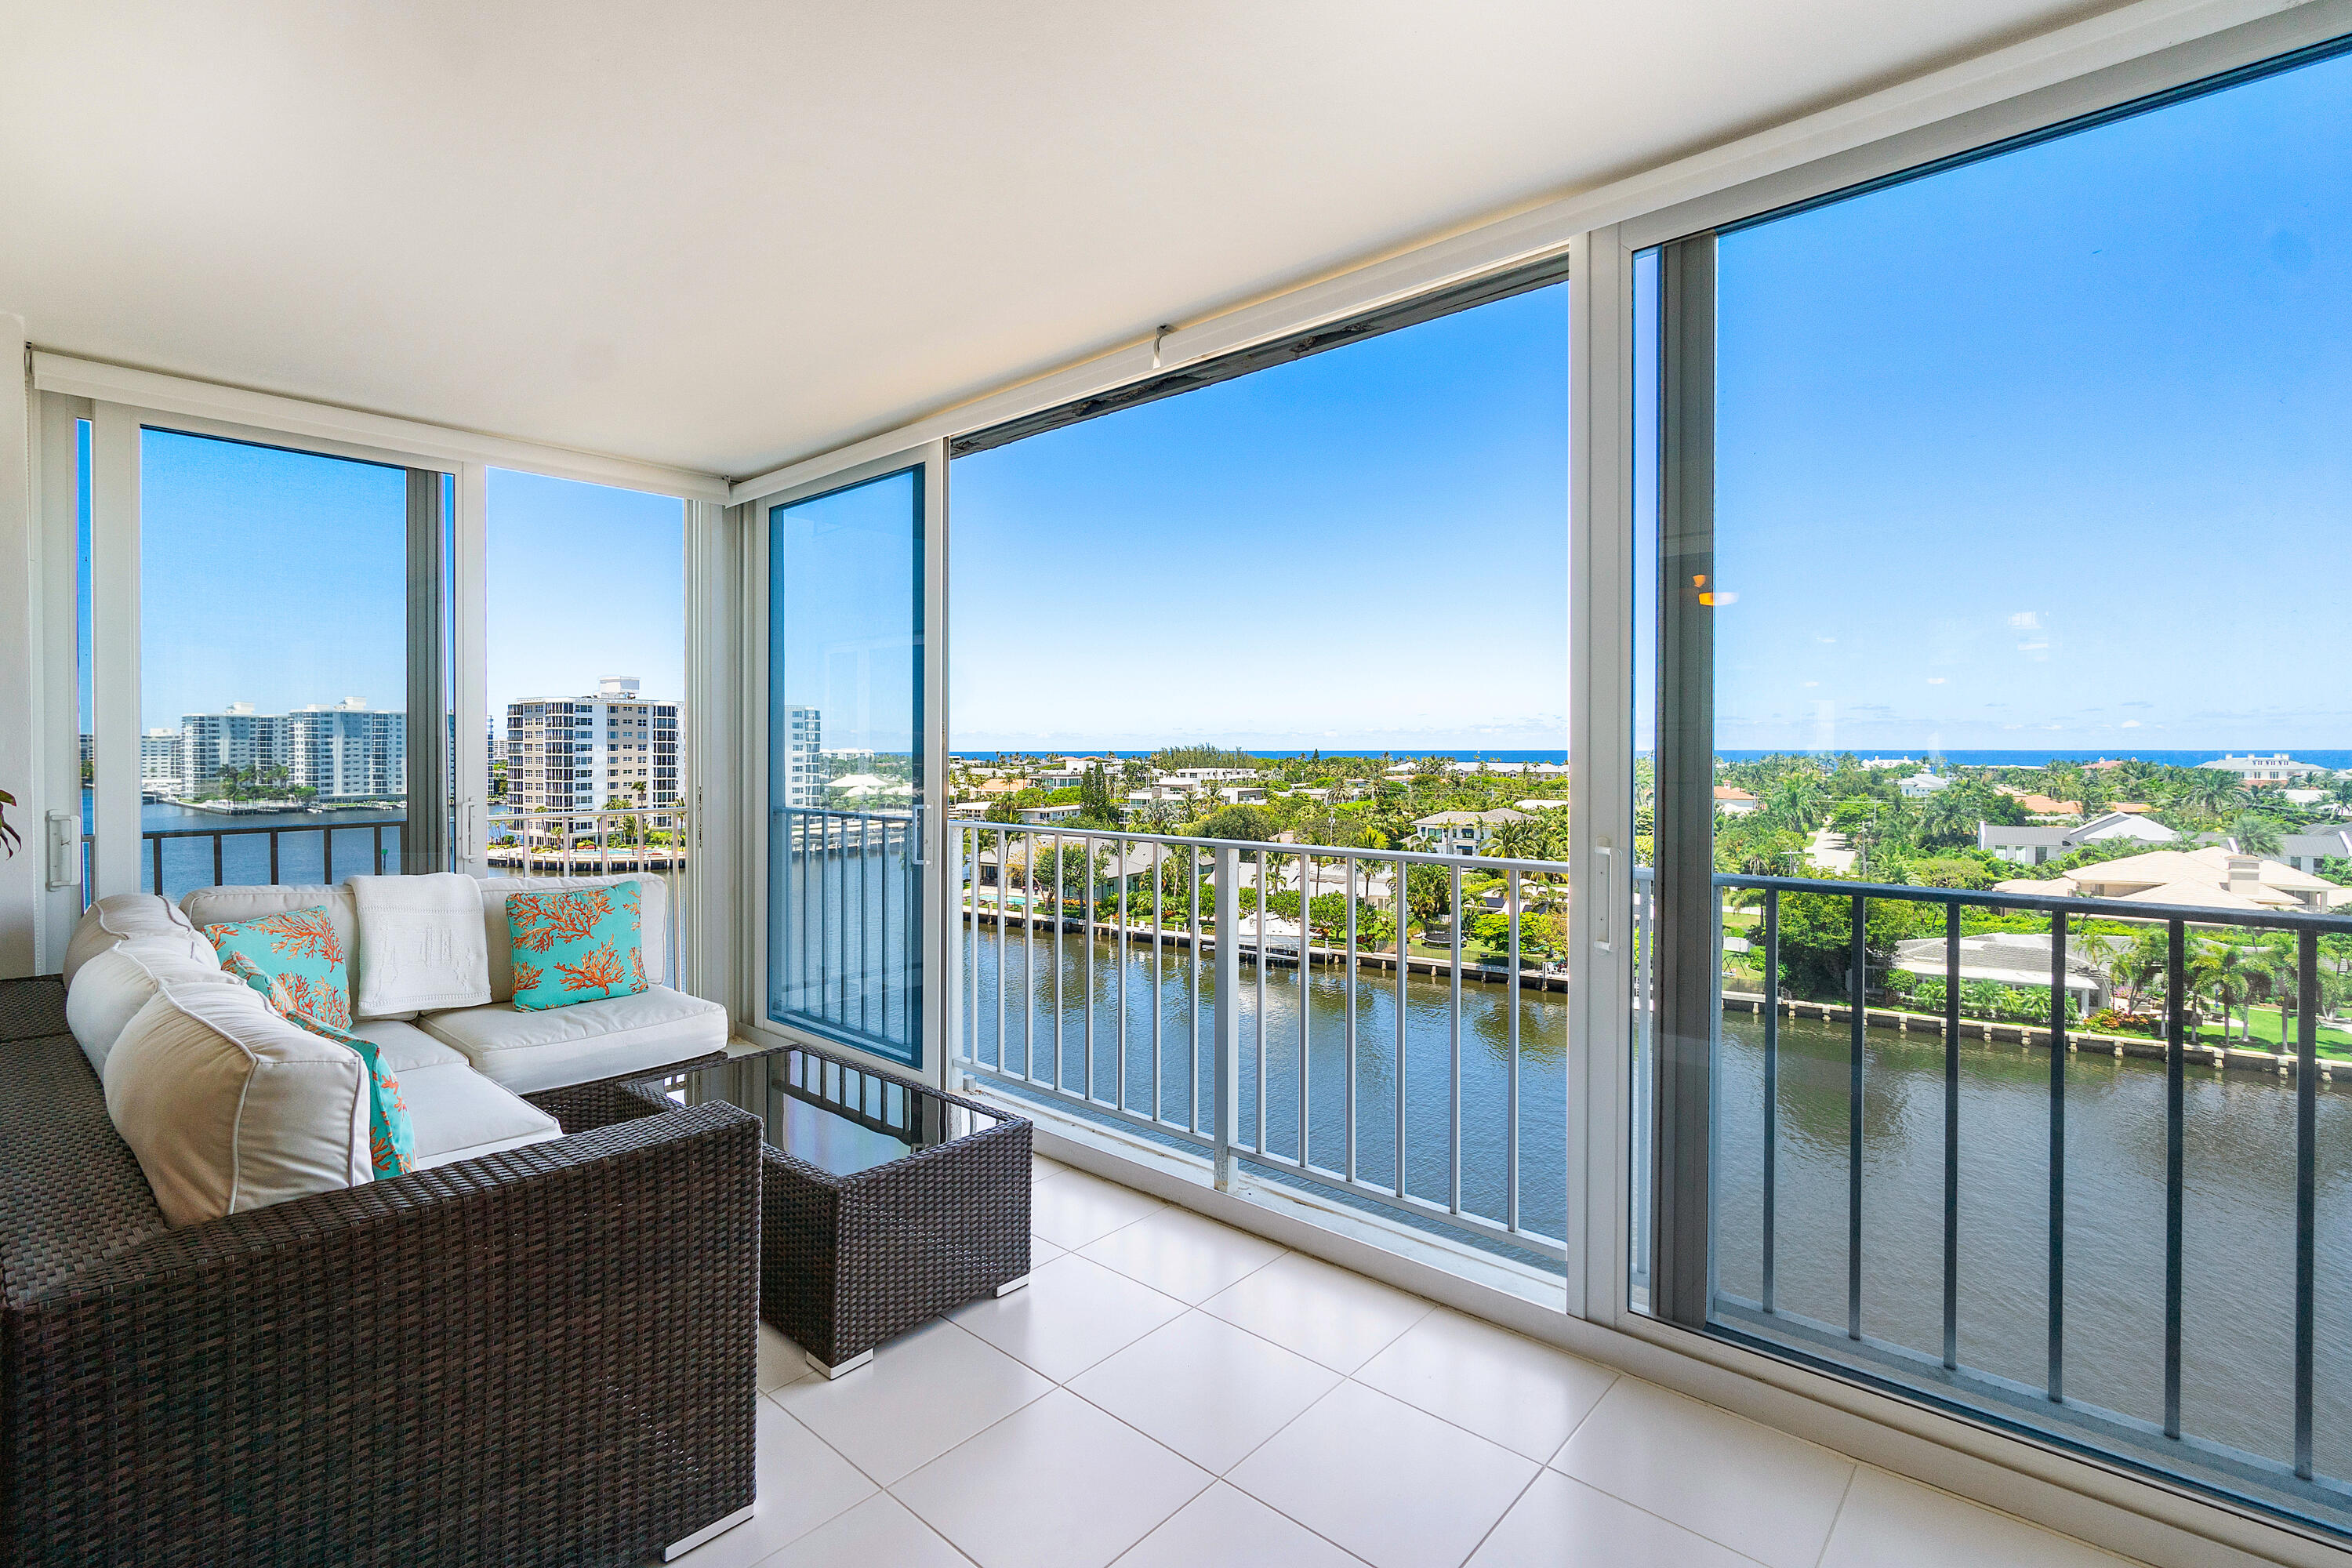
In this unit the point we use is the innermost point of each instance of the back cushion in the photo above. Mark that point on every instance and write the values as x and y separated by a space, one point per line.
652 910
119 916
227 906
110 989
229 1108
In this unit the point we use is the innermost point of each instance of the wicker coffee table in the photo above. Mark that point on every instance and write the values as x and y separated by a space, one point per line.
883 1202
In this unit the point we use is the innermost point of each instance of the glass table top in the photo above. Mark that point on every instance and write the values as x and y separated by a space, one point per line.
826 1113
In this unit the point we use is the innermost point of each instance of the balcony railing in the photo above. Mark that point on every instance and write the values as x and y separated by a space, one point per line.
2130 1399
1140 980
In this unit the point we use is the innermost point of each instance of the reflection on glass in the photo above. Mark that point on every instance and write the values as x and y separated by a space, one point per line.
845 764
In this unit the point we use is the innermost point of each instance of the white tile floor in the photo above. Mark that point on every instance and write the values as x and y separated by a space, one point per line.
1170 1391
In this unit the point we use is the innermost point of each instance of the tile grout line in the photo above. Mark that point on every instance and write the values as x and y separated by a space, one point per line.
1854 1472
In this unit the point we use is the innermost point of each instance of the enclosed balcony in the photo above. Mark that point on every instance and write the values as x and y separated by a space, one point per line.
1073 786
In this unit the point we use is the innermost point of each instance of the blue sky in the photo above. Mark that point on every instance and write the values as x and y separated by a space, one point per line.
1364 549
2050 450
276 578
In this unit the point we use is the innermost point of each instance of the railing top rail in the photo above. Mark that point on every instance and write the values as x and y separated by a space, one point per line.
2111 908
1326 851
318 826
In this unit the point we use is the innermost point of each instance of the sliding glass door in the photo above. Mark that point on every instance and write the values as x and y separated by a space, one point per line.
1994 1013
851 763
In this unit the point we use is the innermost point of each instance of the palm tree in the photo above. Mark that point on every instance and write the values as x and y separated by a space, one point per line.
2208 790
2140 966
2229 970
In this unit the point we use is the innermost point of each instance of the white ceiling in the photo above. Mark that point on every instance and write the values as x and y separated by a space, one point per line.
723 236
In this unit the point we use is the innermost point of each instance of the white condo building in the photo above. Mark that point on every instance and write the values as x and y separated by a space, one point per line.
337 751
574 753
799 762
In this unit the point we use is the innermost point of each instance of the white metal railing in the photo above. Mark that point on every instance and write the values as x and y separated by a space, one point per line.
1165 1035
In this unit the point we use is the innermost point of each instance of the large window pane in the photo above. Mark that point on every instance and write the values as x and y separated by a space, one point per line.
1320 601
587 716
845 765
2018 471
274 612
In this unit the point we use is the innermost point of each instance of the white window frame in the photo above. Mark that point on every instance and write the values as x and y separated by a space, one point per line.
941 996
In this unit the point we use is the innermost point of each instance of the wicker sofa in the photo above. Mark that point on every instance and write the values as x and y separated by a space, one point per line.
544 1355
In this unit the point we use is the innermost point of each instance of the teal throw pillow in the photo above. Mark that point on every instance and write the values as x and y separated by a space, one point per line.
391 1140
298 947
576 944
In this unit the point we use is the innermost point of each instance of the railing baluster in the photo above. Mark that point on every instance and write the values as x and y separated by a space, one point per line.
375 868
2176 1052
864 896
2306 1184
1032 994
1060 908
1158 985
273 857
1119 849
1454 1052
2057 1376
1397 896
217 878
1086 924
1003 892
1511 1084
327 855
159 869
1771 1096
1951 1137
1192 1015
1857 997
1226 1070
1258 1140
1305 900
1348 888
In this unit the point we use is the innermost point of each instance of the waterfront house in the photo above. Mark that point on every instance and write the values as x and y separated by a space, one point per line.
2305 851
2214 876
1463 832
1921 784
1730 800
2037 844
2263 768
2008 958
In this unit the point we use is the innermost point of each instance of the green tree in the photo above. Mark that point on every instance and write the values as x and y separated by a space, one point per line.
2255 833
1253 822
1094 796
2208 791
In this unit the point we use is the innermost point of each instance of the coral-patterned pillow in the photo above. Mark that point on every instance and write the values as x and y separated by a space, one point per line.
300 948
392 1137
576 944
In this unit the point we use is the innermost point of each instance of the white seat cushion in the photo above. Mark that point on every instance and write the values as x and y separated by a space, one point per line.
586 1041
227 906
403 1046
230 1108
119 917
111 986
653 916
455 1114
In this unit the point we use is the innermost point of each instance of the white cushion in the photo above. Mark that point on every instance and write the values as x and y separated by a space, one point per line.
653 914
403 1045
420 945
455 1114
227 906
529 1052
119 916
230 1108
111 986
